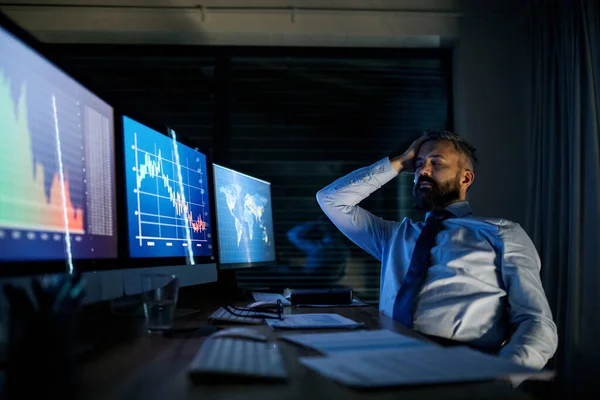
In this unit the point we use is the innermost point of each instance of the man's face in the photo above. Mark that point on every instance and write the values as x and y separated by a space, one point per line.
438 175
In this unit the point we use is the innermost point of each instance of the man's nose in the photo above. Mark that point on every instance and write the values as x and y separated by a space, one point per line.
421 174
425 170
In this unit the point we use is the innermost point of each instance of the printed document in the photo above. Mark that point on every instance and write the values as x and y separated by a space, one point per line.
417 366
271 297
313 321
362 340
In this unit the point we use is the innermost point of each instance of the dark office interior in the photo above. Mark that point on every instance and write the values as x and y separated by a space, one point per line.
293 98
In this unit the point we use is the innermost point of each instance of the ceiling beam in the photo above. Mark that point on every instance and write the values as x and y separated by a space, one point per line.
349 23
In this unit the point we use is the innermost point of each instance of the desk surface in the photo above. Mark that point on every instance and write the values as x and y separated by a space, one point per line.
153 367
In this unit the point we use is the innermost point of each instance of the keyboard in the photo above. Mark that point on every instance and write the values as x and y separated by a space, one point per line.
243 317
237 359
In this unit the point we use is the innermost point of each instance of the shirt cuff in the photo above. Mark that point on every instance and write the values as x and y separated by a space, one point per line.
383 171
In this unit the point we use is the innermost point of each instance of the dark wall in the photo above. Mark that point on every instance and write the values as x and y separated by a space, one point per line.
299 118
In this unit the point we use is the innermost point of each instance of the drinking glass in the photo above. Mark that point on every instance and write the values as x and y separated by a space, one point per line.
159 294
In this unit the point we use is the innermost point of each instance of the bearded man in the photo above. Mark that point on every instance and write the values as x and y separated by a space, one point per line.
457 278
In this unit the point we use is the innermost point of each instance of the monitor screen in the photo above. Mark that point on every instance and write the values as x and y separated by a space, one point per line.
244 219
57 168
168 208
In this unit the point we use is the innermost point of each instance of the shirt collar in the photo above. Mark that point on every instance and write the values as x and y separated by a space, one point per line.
460 209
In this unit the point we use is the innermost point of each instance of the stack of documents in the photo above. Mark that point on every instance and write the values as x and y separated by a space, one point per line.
417 366
355 303
313 321
382 358
271 297
340 342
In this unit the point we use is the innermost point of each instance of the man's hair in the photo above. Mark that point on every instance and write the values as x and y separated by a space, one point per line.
460 144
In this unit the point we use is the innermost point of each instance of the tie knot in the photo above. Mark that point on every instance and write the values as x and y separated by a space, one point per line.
439 215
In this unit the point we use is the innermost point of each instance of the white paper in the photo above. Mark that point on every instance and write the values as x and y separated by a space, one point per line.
417 366
363 340
313 321
272 297
355 303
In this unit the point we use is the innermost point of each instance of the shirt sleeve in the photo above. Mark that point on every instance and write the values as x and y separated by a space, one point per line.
534 338
340 202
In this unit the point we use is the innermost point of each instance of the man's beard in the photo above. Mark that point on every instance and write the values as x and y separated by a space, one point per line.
437 196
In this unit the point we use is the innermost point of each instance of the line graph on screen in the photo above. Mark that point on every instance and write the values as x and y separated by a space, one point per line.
166 207
32 194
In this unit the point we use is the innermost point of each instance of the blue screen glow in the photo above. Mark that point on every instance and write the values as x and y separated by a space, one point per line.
57 164
244 217
168 208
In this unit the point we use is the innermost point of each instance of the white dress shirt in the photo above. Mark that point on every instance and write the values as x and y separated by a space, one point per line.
483 286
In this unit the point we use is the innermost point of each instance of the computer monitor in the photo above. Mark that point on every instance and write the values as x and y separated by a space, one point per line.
244 220
57 166
168 206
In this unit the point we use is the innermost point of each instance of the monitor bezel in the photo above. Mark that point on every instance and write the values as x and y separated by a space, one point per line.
122 214
14 268
241 265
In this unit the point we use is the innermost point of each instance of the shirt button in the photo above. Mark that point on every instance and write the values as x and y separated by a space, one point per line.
380 169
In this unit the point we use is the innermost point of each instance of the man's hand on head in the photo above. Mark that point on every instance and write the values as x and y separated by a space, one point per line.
406 161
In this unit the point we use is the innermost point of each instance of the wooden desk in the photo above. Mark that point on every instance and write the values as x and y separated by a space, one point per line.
153 367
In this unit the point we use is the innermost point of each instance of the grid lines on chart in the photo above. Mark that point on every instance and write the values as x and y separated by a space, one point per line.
248 250
164 212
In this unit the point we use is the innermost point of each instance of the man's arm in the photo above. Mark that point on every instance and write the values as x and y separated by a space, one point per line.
534 338
340 200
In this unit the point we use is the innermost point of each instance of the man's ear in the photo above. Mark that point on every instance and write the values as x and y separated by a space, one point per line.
467 179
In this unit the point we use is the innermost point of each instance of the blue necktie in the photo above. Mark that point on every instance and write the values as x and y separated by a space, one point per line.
403 306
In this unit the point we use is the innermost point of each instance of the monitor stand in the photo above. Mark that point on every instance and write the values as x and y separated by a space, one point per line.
228 286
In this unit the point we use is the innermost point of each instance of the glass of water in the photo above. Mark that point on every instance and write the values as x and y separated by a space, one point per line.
159 294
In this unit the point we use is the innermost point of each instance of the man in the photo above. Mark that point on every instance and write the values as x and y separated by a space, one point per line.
456 276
